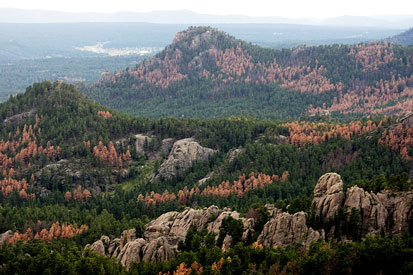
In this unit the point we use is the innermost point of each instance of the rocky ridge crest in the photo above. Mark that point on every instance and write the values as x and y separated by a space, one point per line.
386 211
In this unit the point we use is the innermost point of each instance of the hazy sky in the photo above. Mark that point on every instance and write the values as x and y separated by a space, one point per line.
286 8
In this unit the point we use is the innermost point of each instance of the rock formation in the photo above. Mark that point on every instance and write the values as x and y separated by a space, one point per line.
97 246
234 153
158 250
373 214
94 180
184 154
174 225
19 118
284 229
407 119
386 211
132 252
163 234
140 143
328 195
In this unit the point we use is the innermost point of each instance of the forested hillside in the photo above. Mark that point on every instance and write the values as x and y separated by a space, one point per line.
207 73
72 170
404 38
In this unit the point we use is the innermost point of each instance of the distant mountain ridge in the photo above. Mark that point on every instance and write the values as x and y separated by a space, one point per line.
404 38
207 73
11 15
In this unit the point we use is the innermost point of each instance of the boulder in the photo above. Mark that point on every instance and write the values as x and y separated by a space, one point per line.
248 227
131 252
387 210
328 195
285 229
94 180
140 141
160 226
19 118
184 154
373 214
158 250
165 148
226 244
216 224
127 236
400 210
97 247
114 247
233 153
175 225
280 139
203 180
313 236
4 237
162 151
407 119
105 240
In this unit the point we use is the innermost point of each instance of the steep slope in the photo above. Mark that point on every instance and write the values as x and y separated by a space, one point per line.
207 73
405 38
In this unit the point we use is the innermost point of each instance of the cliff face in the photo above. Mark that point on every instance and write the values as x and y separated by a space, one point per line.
385 211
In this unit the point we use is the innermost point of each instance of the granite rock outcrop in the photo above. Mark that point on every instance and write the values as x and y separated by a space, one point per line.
387 211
